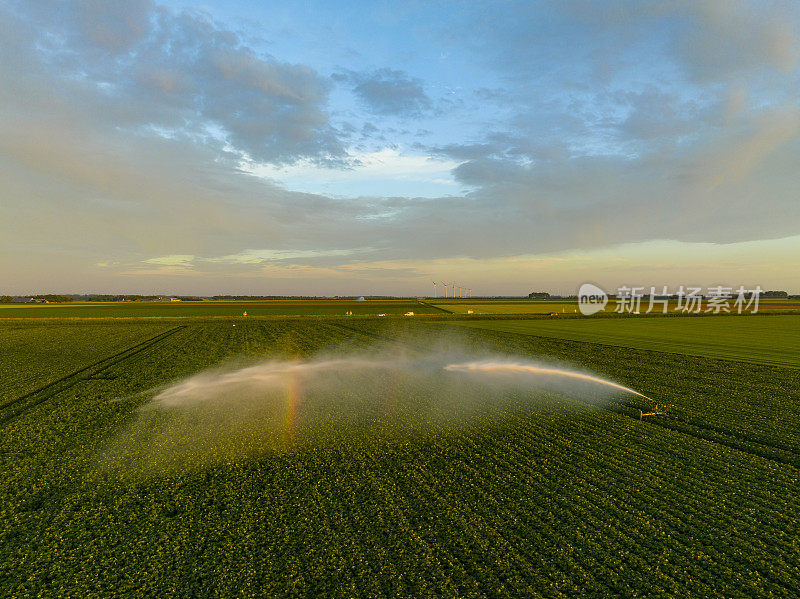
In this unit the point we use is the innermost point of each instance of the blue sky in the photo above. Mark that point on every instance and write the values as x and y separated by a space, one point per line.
341 147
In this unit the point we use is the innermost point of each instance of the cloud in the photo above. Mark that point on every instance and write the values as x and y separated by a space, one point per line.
132 137
184 260
266 255
709 40
372 172
113 26
178 74
653 114
664 115
388 92
723 38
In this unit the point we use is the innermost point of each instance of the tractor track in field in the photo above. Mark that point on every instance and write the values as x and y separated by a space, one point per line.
427 305
738 441
94 371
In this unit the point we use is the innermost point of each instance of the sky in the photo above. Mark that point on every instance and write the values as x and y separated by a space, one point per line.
368 148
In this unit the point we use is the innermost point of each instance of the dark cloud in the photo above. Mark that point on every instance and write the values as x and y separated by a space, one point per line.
647 90
501 147
720 39
368 130
592 42
388 92
178 73
113 26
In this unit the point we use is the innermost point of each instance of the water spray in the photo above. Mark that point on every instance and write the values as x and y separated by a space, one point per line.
490 367
237 411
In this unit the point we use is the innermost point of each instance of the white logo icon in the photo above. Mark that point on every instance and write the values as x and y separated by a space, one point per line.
591 299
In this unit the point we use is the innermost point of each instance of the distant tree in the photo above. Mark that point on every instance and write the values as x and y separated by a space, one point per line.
6 299
53 298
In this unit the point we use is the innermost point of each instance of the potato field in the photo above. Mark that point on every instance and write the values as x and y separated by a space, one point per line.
552 497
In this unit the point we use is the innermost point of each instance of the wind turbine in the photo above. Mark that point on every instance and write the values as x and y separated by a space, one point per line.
434 289
445 289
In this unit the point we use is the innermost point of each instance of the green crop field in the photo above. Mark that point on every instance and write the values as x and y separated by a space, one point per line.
542 493
227 309
773 339
37 353
506 306
210 309
566 307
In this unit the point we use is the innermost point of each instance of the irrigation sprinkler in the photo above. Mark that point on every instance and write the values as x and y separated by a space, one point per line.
487 367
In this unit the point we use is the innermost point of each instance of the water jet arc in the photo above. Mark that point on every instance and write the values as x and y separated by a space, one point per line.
517 368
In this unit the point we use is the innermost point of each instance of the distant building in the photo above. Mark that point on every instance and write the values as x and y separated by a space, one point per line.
361 299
